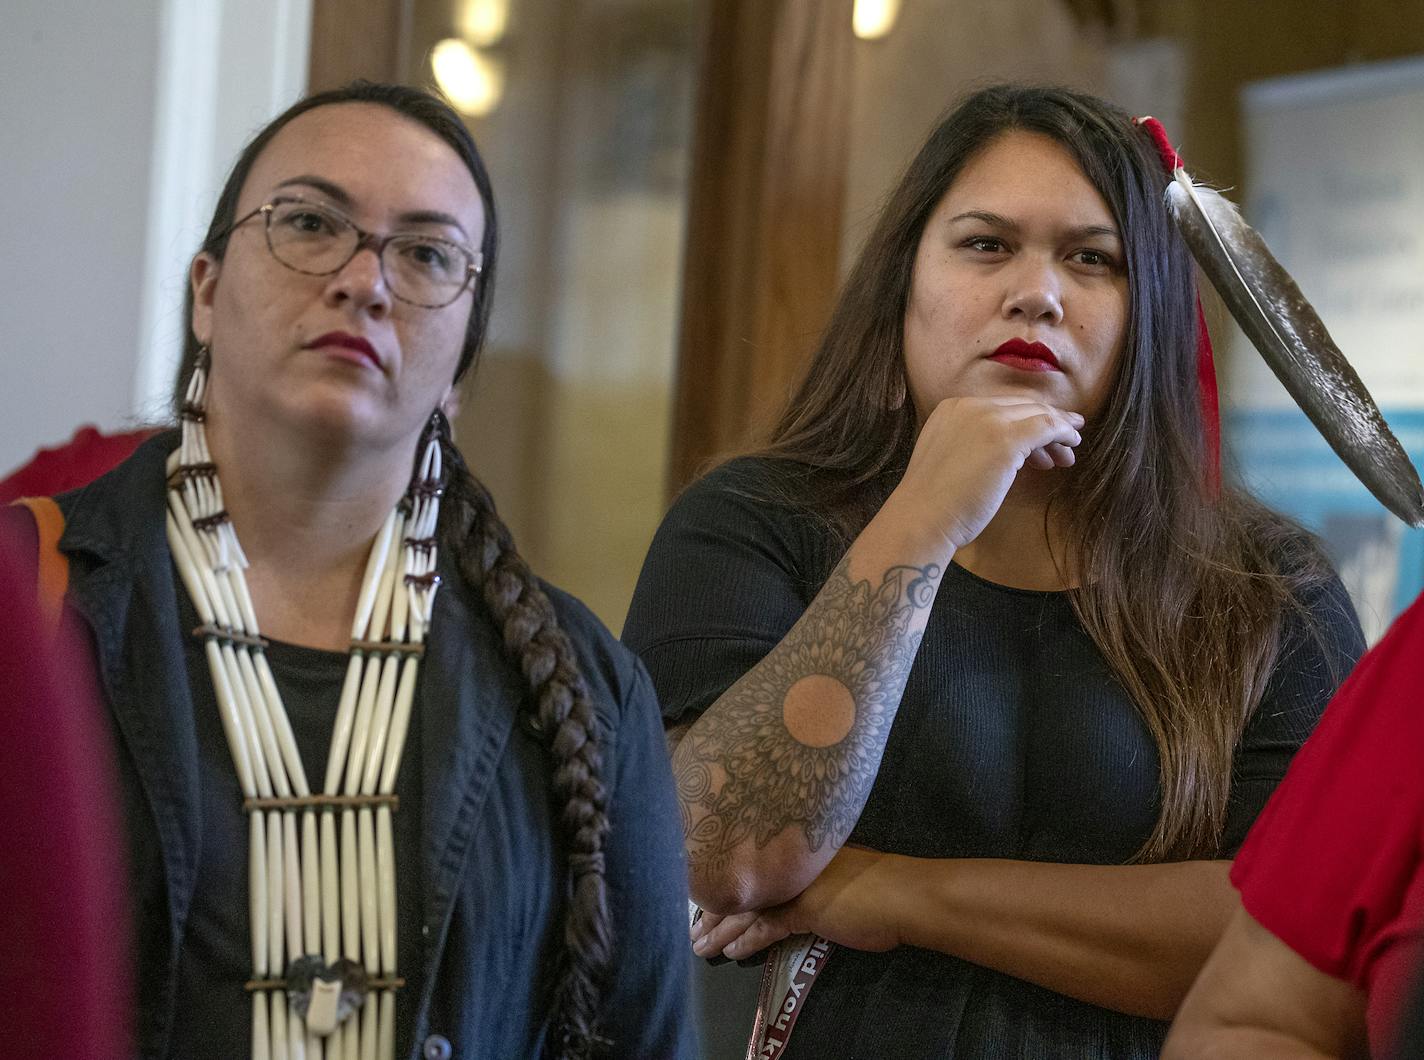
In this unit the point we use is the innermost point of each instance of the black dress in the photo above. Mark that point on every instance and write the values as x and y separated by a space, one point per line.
1013 740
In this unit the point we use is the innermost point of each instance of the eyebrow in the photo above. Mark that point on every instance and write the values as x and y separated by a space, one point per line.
1005 224
342 198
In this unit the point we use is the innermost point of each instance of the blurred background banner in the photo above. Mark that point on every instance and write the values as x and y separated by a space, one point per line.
1334 173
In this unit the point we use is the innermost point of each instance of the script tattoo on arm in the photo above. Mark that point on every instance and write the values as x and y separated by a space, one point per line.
751 768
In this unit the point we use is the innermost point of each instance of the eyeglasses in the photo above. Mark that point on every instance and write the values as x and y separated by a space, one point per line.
309 238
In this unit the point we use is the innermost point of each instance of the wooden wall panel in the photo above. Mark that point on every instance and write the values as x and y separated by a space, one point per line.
358 38
766 199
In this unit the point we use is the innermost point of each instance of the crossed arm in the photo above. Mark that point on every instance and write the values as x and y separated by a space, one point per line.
1127 937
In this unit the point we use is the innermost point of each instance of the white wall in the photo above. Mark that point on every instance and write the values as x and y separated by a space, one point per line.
76 119
119 119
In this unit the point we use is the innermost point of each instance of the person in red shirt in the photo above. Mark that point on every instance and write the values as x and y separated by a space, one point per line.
1320 958
75 463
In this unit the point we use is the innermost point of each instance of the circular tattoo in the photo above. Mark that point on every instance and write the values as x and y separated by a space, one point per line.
818 711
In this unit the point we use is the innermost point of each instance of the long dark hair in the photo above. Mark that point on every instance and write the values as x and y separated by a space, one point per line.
1182 591
530 634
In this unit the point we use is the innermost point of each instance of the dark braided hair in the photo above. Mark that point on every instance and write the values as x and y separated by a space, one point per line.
563 713
485 554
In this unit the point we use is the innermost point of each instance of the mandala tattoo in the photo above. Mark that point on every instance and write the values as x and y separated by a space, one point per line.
741 773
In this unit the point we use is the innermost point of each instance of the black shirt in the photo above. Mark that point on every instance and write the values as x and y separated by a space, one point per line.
213 1017
1013 740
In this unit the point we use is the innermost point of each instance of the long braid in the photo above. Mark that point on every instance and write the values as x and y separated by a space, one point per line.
564 714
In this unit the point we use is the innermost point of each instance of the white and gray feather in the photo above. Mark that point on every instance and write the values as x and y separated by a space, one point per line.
1292 338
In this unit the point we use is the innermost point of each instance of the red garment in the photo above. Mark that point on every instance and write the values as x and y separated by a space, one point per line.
1334 866
64 963
76 463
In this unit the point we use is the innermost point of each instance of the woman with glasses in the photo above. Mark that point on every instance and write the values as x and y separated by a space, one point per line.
973 670
387 793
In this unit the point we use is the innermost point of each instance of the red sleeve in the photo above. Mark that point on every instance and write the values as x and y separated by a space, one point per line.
1332 866
1395 982
76 463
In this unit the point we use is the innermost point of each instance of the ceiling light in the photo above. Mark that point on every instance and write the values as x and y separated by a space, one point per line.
484 22
473 82
874 18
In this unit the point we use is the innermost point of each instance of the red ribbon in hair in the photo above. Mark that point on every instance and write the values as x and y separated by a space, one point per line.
1206 363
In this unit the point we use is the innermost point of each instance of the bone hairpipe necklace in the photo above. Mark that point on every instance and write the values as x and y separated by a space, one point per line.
323 910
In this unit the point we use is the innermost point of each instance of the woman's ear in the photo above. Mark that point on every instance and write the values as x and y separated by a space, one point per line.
450 403
203 279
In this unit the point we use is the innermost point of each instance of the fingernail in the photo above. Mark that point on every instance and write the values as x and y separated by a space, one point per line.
700 947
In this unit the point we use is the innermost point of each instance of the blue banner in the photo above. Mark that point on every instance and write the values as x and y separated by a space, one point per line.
1280 456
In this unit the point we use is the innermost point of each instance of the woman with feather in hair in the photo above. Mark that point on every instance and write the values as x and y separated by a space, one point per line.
975 673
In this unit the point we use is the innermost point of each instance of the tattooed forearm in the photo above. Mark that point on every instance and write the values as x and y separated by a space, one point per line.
796 743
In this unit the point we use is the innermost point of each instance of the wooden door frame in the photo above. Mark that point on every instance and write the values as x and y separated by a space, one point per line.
766 197
358 38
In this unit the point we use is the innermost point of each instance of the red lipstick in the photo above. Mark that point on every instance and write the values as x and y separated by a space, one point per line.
1026 356
344 345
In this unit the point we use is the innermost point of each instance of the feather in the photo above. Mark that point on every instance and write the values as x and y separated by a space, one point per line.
1292 338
